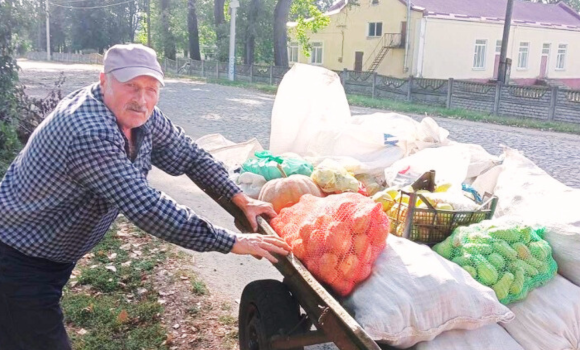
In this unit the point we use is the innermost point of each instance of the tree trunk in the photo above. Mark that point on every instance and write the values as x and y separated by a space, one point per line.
148 23
168 40
250 43
280 32
193 31
221 30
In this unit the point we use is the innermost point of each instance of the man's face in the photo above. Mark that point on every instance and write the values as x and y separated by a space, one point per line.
132 102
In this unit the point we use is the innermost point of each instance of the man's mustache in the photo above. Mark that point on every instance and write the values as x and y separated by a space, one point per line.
137 108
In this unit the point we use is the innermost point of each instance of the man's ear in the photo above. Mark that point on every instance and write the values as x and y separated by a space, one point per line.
102 79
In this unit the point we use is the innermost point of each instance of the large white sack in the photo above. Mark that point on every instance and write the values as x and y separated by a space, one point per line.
549 318
231 154
491 337
413 295
527 192
311 117
411 136
308 98
454 163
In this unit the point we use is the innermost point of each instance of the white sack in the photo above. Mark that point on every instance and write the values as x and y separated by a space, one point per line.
250 183
491 337
549 318
311 117
232 154
411 136
450 164
527 192
413 295
308 98
487 181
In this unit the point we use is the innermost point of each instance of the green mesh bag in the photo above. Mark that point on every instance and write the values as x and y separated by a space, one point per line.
512 259
266 164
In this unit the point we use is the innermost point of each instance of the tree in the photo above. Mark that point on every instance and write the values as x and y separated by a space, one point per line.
253 13
193 30
221 29
281 13
308 18
168 40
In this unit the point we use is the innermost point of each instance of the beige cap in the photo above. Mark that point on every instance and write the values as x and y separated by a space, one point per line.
126 62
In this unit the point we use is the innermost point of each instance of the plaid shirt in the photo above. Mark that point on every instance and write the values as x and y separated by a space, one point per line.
69 183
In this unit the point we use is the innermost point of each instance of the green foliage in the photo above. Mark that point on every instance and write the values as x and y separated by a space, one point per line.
309 19
9 146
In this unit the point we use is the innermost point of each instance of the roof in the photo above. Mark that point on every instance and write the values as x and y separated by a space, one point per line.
558 14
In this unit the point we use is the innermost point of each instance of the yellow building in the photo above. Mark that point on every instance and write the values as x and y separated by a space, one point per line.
444 39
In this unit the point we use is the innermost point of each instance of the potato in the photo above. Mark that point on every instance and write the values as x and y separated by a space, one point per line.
349 267
327 267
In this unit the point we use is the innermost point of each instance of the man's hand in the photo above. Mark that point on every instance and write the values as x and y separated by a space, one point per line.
252 208
260 246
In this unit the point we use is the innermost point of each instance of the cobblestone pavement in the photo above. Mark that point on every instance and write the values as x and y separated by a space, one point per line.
241 114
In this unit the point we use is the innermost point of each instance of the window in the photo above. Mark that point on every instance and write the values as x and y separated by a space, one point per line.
293 53
375 29
498 46
546 49
316 53
479 55
523 55
561 59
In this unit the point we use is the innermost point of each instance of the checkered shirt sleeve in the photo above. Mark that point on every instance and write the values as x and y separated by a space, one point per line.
177 154
101 166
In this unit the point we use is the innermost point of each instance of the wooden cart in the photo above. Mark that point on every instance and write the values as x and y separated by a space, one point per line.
271 316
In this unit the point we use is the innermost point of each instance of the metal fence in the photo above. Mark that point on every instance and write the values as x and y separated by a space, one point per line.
540 103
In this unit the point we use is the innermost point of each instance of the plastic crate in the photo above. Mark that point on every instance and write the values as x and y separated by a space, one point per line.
429 225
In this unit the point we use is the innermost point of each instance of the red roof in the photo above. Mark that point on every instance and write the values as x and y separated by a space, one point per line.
524 11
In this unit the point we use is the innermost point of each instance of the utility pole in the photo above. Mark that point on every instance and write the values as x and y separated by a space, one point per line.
234 4
504 42
47 32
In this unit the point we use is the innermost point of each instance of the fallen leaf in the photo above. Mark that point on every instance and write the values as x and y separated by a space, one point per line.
168 339
141 291
184 277
112 256
123 316
127 263
161 301
82 331
123 234
111 268
125 246
176 326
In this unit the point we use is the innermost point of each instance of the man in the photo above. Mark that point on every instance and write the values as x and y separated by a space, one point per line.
83 165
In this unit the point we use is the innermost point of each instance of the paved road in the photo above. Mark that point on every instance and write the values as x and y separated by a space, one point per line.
242 114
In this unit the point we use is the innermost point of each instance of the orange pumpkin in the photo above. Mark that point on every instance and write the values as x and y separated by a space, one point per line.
285 192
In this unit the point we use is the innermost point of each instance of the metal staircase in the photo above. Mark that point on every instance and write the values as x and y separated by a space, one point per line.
387 42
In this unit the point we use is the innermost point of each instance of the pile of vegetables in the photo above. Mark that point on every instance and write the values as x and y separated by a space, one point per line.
510 258
337 237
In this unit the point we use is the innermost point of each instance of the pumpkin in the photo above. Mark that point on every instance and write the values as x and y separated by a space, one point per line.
285 192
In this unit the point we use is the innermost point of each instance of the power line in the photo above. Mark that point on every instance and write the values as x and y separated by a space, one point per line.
91 7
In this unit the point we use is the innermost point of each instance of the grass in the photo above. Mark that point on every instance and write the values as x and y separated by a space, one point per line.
117 309
411 108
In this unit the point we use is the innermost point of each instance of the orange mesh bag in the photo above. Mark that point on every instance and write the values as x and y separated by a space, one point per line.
338 237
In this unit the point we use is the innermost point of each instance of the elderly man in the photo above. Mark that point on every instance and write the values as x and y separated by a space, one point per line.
83 165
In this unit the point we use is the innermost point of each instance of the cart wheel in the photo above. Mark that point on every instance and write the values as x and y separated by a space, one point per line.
267 308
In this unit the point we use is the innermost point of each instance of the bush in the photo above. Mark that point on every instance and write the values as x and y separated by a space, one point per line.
9 146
